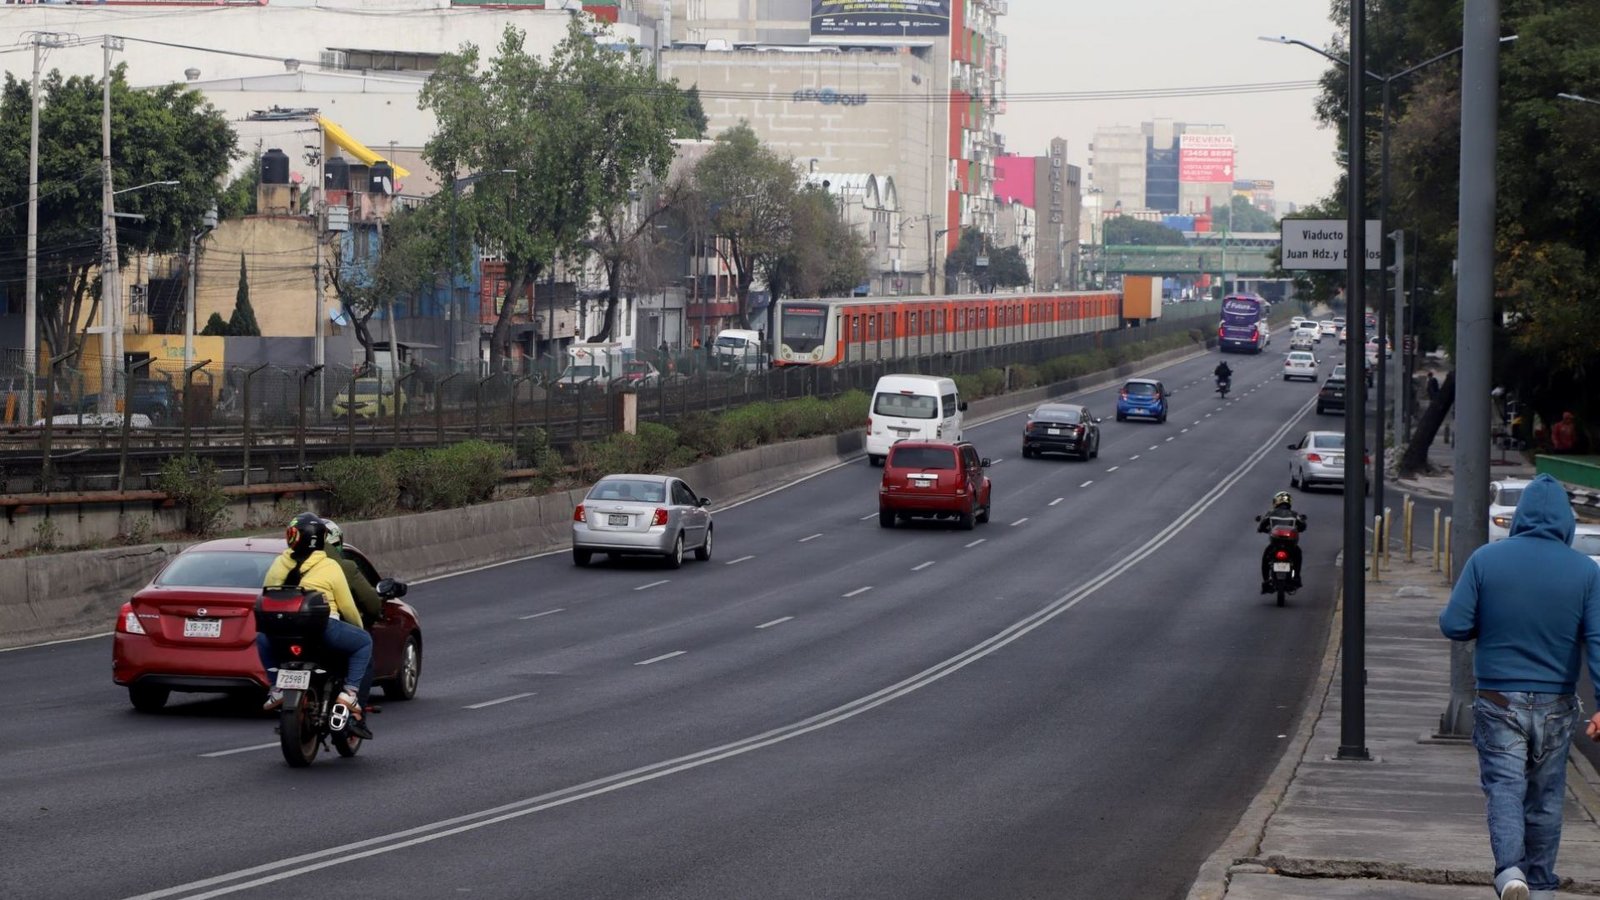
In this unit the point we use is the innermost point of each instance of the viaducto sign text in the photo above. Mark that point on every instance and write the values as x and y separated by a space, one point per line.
1321 244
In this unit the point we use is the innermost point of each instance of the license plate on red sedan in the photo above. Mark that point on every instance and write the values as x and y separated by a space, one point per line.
617 519
202 628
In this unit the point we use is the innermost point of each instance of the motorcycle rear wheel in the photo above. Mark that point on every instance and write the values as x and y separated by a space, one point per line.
297 732
1282 594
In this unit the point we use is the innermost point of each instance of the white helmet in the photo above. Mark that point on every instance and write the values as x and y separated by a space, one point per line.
335 535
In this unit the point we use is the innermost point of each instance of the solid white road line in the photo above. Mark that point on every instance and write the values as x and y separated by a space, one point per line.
976 543
548 612
656 659
1019 521
218 753
810 538
1087 483
87 637
923 566
735 562
497 701
858 591
329 856
775 622
1056 500
646 587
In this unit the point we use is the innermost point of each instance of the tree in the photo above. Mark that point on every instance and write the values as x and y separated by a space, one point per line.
747 194
243 321
565 139
1007 268
823 256
402 261
168 133
623 242
1128 230
215 326
239 197
1240 216
694 122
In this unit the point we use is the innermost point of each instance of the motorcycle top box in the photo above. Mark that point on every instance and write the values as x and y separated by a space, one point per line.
292 615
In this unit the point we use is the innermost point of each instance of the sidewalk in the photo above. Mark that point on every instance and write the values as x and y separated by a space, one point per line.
1408 825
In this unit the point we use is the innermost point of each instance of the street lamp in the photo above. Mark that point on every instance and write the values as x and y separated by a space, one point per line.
112 357
1578 97
457 308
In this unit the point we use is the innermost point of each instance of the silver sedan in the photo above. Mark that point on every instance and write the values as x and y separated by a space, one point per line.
641 515
1318 459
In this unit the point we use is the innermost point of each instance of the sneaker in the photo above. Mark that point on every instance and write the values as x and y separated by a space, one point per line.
274 701
1515 889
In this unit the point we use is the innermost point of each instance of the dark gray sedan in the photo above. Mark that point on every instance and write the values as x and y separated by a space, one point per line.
641 515
1061 428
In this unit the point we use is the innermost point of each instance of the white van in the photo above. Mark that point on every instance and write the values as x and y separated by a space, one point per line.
737 350
912 408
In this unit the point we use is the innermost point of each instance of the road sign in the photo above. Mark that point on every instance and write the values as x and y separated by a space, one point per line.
1310 244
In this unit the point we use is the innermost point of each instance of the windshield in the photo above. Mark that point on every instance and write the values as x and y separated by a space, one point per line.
1508 497
726 341
366 385
1067 414
628 489
1328 441
219 568
803 327
1139 389
907 406
922 458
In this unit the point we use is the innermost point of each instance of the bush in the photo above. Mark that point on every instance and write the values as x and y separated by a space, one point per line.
194 485
359 488
748 426
409 469
463 473
533 445
699 432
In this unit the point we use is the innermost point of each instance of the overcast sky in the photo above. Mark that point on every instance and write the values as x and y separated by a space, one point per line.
1057 46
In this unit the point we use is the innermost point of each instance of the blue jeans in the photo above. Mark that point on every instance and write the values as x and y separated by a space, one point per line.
340 636
1522 763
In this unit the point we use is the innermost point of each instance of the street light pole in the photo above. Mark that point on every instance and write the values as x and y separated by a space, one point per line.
110 269
30 326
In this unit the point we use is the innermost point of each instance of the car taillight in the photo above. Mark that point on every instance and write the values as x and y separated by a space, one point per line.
1281 554
127 622
660 518
1219 331
1502 521
1255 333
869 424
1313 457
578 514
1124 395
1078 429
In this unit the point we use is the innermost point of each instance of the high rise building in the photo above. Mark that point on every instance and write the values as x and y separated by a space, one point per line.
1162 165
1053 188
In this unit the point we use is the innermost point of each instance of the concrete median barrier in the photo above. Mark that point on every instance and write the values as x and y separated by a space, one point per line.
67 595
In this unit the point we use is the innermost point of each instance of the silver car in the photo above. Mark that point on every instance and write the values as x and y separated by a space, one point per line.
641 515
1318 459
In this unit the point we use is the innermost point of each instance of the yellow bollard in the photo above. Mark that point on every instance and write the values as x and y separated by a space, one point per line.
1388 531
1436 545
1410 523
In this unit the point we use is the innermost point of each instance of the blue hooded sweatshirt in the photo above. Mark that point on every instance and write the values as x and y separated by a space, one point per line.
1531 601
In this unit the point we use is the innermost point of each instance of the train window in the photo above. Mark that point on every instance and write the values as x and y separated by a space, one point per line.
855 328
940 323
872 328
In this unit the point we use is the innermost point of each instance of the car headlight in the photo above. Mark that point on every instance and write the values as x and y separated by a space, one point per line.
1502 521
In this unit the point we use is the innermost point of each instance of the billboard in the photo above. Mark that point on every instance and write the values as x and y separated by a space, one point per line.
1205 159
879 18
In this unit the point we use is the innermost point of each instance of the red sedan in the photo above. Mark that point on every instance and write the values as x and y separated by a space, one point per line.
193 628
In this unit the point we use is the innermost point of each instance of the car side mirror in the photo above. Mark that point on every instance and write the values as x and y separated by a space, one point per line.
983 463
962 406
390 589
705 503
1294 447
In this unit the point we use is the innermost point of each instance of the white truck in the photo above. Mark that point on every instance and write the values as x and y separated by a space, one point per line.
592 366
738 350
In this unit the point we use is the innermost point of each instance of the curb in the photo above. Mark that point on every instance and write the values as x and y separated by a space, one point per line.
1241 844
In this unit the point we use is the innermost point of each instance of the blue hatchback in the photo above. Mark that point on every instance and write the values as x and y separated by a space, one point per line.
1142 398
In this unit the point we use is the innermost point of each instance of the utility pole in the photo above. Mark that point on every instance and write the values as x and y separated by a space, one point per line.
110 267
1480 75
30 327
1402 384
188 303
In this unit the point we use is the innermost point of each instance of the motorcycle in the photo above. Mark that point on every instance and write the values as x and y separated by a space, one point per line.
310 674
1223 386
1282 576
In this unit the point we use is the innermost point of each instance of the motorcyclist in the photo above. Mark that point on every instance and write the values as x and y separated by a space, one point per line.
1282 515
366 596
305 563
1223 373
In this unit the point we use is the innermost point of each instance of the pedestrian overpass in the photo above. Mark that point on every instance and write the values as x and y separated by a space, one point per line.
1242 255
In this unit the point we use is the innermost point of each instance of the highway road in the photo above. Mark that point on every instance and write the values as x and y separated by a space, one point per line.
1077 699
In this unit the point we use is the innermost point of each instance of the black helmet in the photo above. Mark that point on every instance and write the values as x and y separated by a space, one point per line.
306 533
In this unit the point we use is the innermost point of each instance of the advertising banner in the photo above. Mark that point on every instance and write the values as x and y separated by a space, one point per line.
879 18
1205 158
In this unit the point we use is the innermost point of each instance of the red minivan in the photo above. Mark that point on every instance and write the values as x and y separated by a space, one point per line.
936 480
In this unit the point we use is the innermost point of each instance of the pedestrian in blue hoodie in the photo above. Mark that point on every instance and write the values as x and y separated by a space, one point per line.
1533 605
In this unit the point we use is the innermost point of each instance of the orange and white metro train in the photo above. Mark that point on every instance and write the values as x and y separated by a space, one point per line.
830 332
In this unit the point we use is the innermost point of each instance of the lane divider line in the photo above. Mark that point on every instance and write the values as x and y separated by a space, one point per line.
1136 456
217 753
1056 500
548 612
735 562
656 659
858 591
1019 521
866 517
775 622
1087 483
646 587
976 543
1113 469
923 566
498 701
810 538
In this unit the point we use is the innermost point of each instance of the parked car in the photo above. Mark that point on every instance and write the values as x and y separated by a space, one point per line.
192 628
153 398
1300 364
1330 397
371 397
1061 428
1503 497
637 374
1142 398
641 515
1586 540
1318 460
934 479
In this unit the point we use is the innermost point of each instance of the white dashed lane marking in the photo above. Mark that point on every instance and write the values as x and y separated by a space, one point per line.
775 622
656 659
923 566
859 591
497 701
646 587
548 612
976 543
1113 468
1019 521
735 562
810 538
1086 483
1057 500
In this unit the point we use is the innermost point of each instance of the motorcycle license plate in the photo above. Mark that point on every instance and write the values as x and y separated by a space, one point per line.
202 628
1281 568
293 679
616 519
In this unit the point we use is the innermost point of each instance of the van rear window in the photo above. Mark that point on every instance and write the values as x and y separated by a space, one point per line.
906 406
922 458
